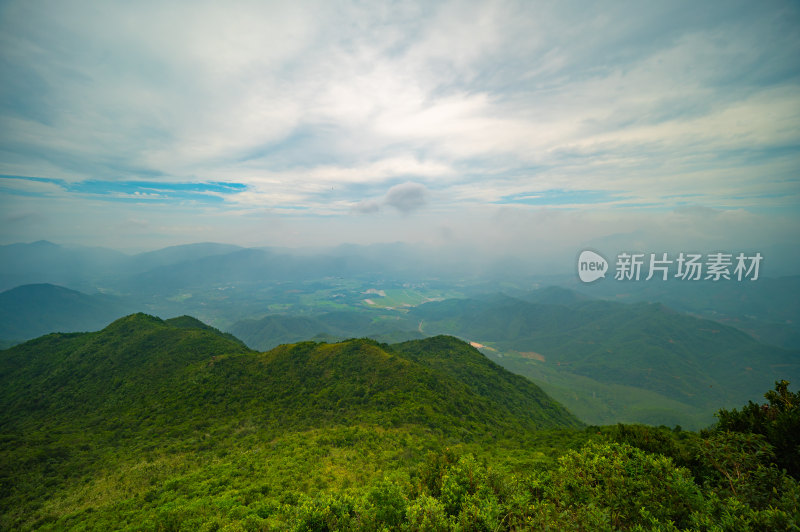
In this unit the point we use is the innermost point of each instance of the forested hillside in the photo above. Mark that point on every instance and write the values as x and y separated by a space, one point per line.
172 425
607 361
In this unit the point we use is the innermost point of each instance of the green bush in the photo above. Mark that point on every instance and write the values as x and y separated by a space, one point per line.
324 513
385 506
778 421
427 514
627 482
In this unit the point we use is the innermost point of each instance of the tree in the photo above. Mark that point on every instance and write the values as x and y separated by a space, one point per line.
778 421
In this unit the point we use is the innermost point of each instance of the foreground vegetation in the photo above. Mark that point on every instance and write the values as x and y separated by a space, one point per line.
153 425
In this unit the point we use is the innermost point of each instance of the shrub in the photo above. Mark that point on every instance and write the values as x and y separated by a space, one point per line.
631 484
427 514
778 421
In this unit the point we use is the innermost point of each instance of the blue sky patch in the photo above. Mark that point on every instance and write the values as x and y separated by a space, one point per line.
210 192
561 197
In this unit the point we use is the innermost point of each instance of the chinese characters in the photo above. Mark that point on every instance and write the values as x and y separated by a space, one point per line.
688 266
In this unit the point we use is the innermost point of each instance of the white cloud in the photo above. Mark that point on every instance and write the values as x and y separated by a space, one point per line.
328 105
407 197
404 198
367 206
29 187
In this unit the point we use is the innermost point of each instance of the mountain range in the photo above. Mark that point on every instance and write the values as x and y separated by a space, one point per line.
174 425
609 351
607 361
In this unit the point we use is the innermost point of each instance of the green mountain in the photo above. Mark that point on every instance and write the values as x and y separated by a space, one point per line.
606 361
32 310
76 406
613 362
157 424
768 309
195 371
189 322
107 375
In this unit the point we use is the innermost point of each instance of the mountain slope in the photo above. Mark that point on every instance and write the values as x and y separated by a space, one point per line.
492 383
32 310
81 406
171 425
768 309
54 378
698 363
193 371
189 322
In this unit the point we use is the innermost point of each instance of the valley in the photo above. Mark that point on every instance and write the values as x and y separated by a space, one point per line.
449 266
610 353
386 396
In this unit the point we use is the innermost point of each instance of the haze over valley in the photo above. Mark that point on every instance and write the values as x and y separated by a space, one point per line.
633 357
450 265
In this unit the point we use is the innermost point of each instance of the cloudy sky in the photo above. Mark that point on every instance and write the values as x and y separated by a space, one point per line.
499 125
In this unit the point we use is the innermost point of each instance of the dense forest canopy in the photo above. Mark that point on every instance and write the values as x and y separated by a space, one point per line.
172 424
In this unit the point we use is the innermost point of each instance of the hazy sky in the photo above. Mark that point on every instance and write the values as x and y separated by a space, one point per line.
505 125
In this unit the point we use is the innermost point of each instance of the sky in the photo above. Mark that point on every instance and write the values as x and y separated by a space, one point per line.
506 128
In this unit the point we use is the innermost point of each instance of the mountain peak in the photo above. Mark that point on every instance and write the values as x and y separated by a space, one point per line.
34 288
139 319
187 322
44 244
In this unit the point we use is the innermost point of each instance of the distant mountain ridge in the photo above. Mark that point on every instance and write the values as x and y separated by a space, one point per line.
615 349
32 310
270 331
192 265
46 262
174 254
81 267
768 309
